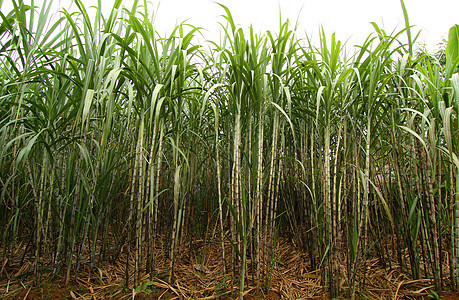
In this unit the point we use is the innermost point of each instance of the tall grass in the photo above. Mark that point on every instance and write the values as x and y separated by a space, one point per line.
113 136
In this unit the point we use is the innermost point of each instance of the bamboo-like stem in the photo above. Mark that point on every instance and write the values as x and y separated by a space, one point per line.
150 195
140 198
335 203
259 197
131 217
176 223
219 188
271 192
39 220
329 239
237 201
235 190
156 195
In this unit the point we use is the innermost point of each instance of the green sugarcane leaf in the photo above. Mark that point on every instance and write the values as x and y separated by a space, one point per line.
87 104
455 84
452 50
407 26
416 135
154 98
24 153
385 205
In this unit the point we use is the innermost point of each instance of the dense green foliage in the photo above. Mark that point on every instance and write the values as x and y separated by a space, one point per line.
112 137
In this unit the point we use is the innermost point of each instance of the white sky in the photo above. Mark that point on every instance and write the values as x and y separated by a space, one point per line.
350 19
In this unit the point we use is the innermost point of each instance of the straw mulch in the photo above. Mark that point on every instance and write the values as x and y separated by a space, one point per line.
199 275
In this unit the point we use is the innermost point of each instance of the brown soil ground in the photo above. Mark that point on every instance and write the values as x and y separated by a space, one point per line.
202 279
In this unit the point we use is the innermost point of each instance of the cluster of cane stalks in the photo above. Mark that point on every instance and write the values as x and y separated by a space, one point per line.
112 136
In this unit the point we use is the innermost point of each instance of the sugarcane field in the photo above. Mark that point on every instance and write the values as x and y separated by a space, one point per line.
257 165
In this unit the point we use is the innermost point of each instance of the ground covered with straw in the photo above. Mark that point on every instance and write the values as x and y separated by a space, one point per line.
292 278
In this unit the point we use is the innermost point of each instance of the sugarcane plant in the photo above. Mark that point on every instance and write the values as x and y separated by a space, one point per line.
119 144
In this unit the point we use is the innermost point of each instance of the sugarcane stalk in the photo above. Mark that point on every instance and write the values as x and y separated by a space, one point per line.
177 179
140 198
259 197
219 186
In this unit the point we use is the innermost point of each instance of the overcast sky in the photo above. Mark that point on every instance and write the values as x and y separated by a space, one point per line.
350 19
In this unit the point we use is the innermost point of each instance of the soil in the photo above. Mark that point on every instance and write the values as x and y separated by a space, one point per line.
449 296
